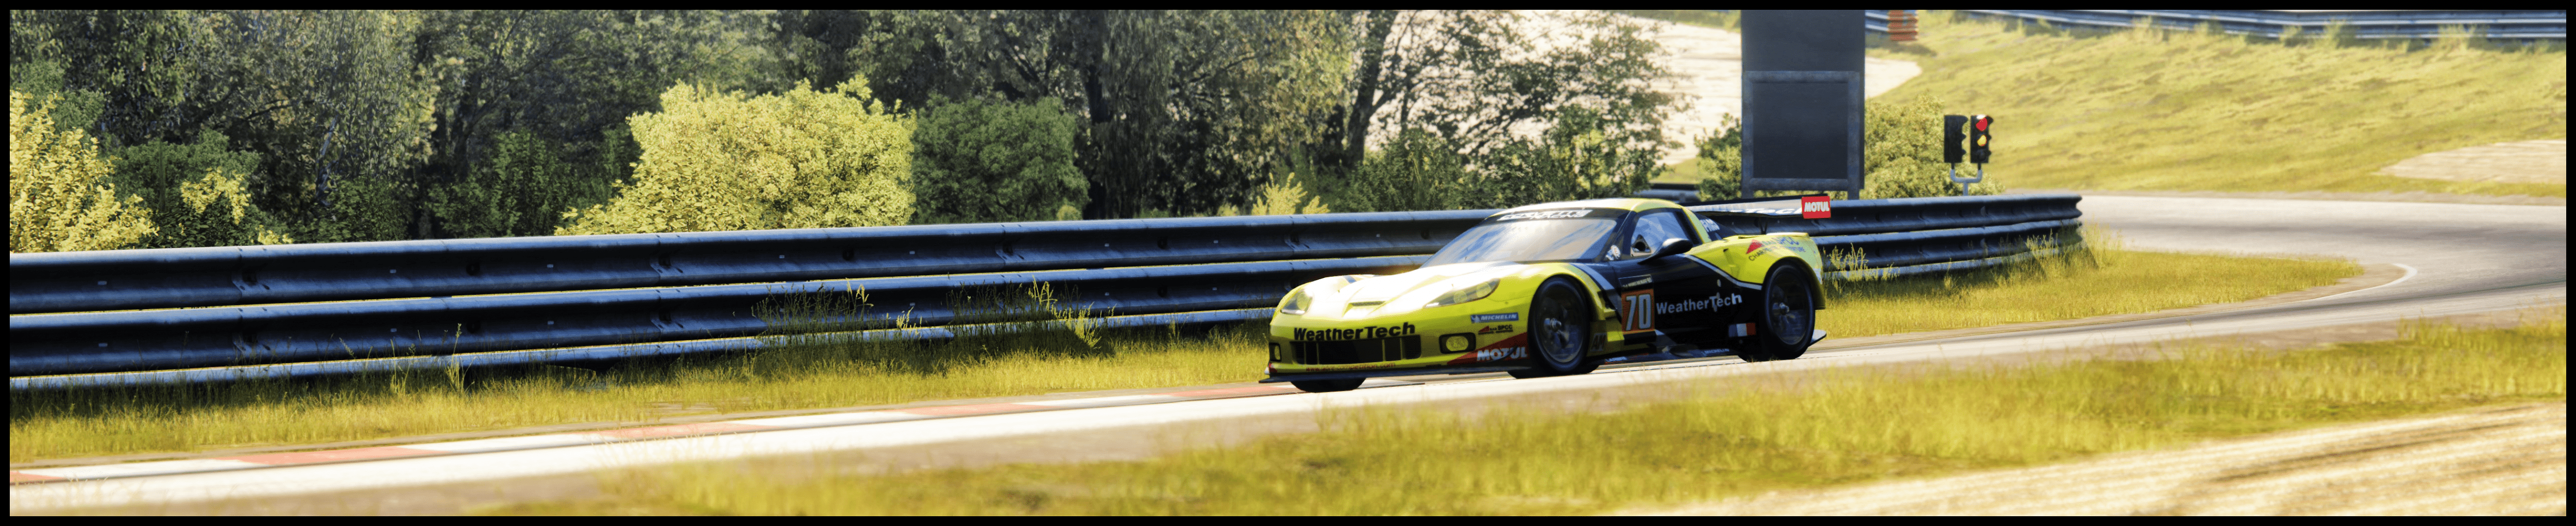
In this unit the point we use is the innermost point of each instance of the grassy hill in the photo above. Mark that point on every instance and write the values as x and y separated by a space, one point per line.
2161 110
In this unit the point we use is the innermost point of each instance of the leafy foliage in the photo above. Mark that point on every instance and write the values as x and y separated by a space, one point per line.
727 161
1900 155
198 193
1418 170
979 161
1183 111
1538 109
522 189
60 198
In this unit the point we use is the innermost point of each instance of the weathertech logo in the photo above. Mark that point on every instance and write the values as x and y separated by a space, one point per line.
1711 302
1550 214
1355 334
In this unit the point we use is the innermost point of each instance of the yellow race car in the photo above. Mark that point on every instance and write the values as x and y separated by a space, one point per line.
1559 289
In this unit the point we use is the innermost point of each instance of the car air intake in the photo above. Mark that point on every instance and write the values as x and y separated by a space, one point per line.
1358 351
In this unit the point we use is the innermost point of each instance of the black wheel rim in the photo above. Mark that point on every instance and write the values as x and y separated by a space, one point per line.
1791 319
1560 338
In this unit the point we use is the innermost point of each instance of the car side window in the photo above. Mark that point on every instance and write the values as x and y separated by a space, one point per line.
1653 228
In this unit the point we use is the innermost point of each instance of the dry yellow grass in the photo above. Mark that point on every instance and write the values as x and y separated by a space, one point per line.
53 425
2165 110
1805 430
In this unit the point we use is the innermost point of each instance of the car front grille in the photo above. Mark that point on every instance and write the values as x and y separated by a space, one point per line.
1357 351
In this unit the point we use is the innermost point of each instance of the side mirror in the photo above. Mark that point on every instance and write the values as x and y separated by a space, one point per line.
1674 246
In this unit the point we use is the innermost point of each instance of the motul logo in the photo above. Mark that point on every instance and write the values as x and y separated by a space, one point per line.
1816 207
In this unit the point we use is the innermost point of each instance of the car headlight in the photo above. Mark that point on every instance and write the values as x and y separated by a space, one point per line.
1467 294
1296 302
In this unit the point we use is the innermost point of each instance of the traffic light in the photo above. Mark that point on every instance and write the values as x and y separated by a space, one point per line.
1953 134
1979 135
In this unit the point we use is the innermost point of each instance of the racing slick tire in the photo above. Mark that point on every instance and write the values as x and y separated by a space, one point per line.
1787 321
1560 337
1327 386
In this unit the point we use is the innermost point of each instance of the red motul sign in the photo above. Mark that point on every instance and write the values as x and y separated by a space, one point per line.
1816 207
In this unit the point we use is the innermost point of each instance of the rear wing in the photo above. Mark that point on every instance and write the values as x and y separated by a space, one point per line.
1748 216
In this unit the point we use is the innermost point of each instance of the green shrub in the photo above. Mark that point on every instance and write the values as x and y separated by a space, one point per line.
523 189
199 193
976 161
1900 155
60 195
726 161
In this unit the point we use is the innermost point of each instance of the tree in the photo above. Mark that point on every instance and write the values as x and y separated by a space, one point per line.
60 198
1418 170
197 193
728 161
986 161
522 189
1538 109
1182 111
1580 157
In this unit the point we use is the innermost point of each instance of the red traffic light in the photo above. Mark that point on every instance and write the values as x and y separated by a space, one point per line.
1982 121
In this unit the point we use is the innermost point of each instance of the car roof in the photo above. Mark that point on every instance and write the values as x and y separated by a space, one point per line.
1621 203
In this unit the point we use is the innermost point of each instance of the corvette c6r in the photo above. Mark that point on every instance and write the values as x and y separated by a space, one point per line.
1558 289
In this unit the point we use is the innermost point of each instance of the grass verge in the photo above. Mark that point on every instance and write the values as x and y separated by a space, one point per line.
2168 110
1796 430
2101 279
811 374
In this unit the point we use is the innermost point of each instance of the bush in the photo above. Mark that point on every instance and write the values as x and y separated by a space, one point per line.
523 189
724 161
1415 171
199 193
1582 156
60 195
1900 155
976 161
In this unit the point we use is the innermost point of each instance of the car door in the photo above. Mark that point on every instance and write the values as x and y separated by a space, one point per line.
1667 301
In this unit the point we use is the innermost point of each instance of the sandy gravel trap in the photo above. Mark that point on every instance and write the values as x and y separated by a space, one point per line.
2497 461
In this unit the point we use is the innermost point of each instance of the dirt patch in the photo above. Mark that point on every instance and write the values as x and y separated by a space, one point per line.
2541 162
2492 461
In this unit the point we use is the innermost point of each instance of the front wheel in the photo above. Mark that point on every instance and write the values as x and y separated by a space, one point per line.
1787 323
1560 334
1327 386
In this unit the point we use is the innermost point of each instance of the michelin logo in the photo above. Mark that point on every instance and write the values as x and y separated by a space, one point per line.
1709 303
1355 333
1490 318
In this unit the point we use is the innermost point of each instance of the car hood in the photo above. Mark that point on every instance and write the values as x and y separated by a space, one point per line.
1385 289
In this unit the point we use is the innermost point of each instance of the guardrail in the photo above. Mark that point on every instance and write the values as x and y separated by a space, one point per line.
1902 236
198 277
2500 24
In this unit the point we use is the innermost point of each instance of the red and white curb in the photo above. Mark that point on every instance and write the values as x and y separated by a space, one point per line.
171 467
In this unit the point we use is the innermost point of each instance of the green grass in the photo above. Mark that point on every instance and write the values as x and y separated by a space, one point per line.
2163 110
815 374
2099 280
1790 431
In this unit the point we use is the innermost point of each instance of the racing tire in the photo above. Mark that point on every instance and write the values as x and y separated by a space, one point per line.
1786 324
1560 337
1327 386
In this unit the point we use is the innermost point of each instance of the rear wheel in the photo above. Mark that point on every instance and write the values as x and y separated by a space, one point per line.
1327 386
1787 323
1560 336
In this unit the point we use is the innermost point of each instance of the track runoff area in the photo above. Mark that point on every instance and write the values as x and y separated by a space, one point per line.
2458 258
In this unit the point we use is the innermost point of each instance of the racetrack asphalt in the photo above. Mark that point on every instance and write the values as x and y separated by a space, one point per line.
2463 258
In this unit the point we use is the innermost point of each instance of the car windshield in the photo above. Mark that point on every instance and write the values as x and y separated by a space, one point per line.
1509 238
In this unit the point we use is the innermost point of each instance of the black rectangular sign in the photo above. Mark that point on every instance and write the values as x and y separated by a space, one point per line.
1802 100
